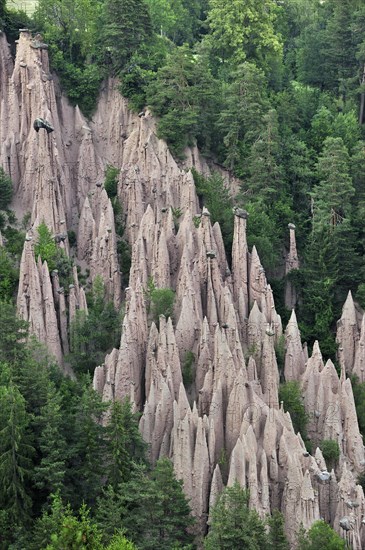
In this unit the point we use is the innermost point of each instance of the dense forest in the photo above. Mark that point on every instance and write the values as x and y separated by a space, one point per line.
274 93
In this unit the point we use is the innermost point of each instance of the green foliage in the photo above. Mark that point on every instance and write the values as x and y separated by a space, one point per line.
214 194
111 181
14 241
277 537
321 535
240 31
49 475
150 508
331 451
240 118
81 84
8 275
234 524
87 447
332 196
184 96
188 368
15 453
75 532
13 20
280 353
161 302
6 189
291 395
71 29
126 445
55 257
72 238
358 389
46 247
95 333
119 542
12 333
126 26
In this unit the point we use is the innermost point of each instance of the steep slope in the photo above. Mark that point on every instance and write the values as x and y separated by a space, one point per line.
228 424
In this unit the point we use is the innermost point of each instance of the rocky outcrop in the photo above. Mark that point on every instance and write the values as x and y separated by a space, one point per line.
291 263
347 334
206 379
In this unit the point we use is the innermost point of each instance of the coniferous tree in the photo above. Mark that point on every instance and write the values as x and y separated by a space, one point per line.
332 196
87 448
16 452
266 176
50 473
240 120
277 537
126 446
321 535
151 508
6 186
234 525
126 25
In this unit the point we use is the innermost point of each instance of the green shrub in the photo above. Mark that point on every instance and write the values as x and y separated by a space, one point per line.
188 369
359 395
291 395
6 189
55 257
162 303
72 239
331 451
8 275
95 334
111 181
14 240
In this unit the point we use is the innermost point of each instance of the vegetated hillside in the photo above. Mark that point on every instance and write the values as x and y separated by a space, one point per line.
129 262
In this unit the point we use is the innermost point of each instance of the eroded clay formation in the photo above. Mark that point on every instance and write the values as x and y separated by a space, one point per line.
228 425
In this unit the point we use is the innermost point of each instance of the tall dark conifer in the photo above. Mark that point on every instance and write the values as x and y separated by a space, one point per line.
127 24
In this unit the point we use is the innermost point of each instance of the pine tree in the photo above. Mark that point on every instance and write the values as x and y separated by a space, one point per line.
87 448
277 537
340 60
151 508
50 473
266 176
321 535
13 331
6 186
234 525
127 25
126 446
15 455
332 196
240 120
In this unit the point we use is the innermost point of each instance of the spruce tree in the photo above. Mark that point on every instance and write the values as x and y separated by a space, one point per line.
240 119
151 508
86 464
266 176
233 525
50 473
277 537
126 26
332 195
125 444
16 453
6 186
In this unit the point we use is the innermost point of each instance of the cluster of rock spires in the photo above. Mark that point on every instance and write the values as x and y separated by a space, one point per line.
227 425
